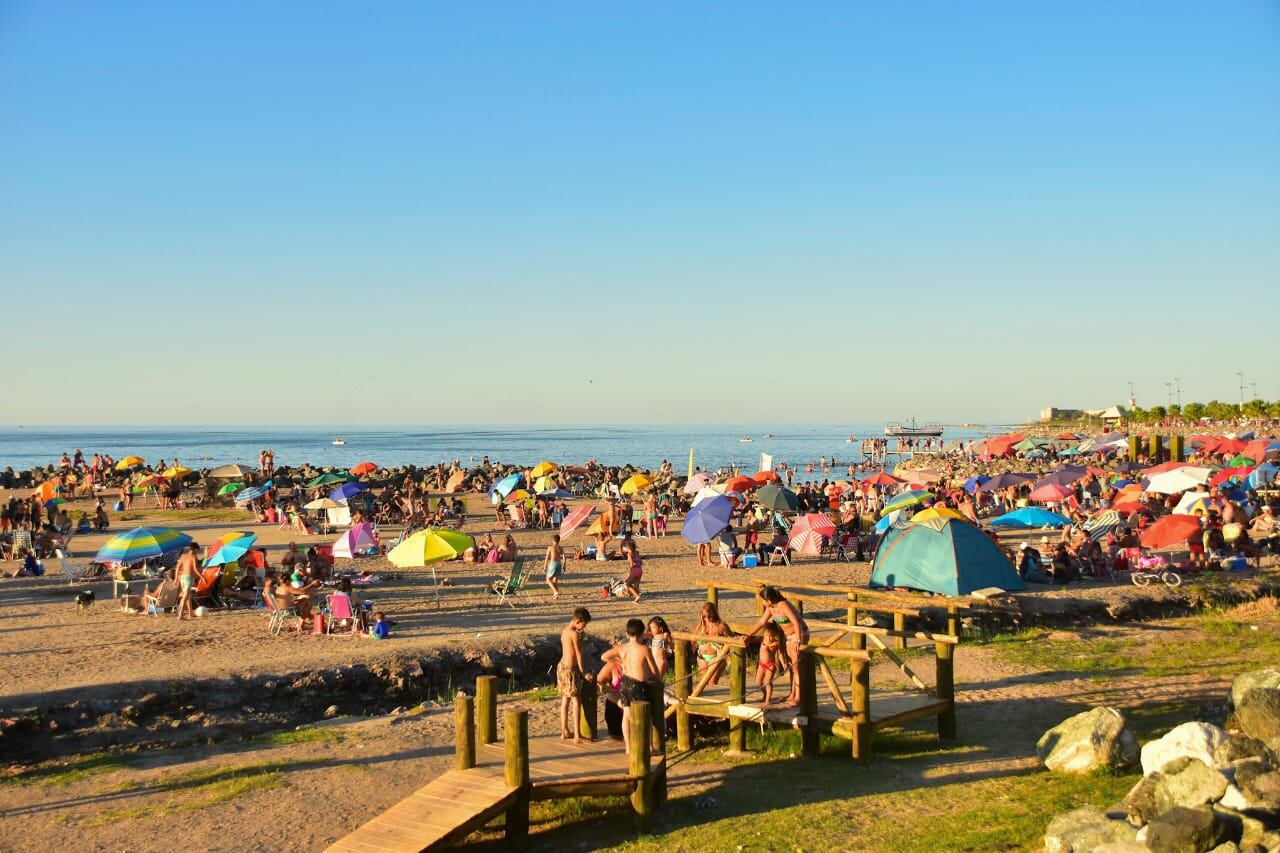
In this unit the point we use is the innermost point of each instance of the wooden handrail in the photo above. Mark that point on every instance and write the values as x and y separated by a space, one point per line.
824 625
735 641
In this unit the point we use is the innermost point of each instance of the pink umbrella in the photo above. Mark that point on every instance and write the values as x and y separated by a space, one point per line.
697 482
1050 493
809 531
358 540
575 519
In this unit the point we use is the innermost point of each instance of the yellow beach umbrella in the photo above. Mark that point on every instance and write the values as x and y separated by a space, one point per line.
542 469
636 483
934 512
129 462
545 484
430 546
177 471
518 495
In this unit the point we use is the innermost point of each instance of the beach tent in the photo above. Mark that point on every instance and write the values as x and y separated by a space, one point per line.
1031 516
954 560
356 542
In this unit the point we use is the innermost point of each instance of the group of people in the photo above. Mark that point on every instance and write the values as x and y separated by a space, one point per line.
634 667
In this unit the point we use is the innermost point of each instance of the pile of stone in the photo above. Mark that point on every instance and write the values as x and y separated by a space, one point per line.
1204 788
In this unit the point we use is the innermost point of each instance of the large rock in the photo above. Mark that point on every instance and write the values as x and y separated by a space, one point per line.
1190 740
1094 739
1186 830
1258 712
1247 831
1083 830
1247 681
1262 790
1188 782
1237 747
1140 803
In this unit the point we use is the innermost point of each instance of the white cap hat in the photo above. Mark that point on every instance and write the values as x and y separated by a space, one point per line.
1024 546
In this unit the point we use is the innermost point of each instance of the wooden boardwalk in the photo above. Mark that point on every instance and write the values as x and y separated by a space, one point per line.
461 801
888 707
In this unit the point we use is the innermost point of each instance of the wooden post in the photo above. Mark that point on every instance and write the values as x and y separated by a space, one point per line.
953 621
861 703
684 674
899 624
464 732
487 708
638 762
946 688
588 719
856 639
516 773
713 595
737 696
808 677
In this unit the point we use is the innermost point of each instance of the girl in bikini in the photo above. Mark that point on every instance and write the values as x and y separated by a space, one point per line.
772 657
783 613
711 625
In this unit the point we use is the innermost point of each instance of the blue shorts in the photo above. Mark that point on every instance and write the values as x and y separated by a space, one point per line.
555 569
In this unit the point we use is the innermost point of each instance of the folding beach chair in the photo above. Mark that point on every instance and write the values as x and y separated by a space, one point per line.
511 586
277 615
340 610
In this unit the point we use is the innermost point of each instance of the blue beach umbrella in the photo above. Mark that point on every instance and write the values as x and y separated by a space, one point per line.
231 547
705 521
141 543
505 486
971 485
253 492
1263 475
1031 516
556 494
346 491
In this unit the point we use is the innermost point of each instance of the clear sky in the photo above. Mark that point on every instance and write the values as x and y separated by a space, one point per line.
423 212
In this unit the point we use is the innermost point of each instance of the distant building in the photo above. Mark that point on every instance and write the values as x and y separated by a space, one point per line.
1053 413
1110 414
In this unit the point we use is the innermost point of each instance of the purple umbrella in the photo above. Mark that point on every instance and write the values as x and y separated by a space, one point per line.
1064 476
346 490
1004 481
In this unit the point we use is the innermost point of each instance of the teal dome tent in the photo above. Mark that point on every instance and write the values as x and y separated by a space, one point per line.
954 558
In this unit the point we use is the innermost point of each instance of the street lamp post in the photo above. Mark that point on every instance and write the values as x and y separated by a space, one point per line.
1240 375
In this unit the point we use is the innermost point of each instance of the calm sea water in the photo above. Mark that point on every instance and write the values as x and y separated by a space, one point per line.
22 448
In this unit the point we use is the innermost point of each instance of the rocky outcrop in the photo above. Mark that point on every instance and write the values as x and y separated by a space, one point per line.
1089 741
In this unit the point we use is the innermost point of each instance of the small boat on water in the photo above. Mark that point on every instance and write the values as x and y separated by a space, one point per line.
911 430
745 439
339 441
767 435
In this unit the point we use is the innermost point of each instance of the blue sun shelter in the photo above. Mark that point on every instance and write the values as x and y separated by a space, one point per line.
954 558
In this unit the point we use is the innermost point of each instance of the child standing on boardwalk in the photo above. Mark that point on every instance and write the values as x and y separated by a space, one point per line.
638 669
772 656
570 674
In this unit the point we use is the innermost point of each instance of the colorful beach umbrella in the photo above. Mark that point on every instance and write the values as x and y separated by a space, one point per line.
176 472
636 483
357 540
433 545
1031 516
906 499
517 496
363 468
347 491
141 543
326 480
575 519
778 499
739 484
1050 493
1170 530
809 532
503 487
228 548
129 462
234 471
52 502
697 482
542 469
706 520
253 492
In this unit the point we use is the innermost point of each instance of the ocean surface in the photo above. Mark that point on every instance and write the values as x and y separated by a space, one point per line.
22 448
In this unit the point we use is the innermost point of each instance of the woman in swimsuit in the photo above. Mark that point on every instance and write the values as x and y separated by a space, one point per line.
711 625
660 643
784 614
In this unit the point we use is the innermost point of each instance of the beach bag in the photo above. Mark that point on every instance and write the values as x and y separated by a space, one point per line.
492 556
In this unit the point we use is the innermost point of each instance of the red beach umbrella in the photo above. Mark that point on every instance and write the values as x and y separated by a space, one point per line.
1170 530
880 478
1050 493
364 468
763 478
575 519
740 484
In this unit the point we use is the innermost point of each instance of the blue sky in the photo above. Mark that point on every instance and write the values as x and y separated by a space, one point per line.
655 213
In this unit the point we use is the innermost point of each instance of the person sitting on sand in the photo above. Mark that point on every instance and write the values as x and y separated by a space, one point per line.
507 551
381 628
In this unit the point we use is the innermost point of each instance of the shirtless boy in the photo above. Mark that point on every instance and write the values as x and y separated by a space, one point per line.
553 565
570 674
638 669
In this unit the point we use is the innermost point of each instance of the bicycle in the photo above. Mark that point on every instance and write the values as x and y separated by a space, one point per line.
1147 570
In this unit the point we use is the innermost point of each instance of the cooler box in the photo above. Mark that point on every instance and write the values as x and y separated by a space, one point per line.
750 561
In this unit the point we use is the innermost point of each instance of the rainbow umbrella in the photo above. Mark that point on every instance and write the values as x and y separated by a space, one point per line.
430 546
517 496
140 544
228 548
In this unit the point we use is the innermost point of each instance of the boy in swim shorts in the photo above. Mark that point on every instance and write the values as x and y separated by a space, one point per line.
553 564
570 674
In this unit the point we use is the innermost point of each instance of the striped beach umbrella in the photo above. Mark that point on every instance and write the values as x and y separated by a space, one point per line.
140 544
574 519
228 548
1103 523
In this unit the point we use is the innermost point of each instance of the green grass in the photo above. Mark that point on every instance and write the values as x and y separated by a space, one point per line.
195 789
60 774
309 734
1211 644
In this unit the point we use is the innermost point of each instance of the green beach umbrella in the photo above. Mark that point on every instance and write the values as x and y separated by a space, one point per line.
327 480
906 499
1240 462
1031 443
230 487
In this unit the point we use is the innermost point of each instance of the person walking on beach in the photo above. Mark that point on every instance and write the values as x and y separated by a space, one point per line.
187 572
570 674
553 565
